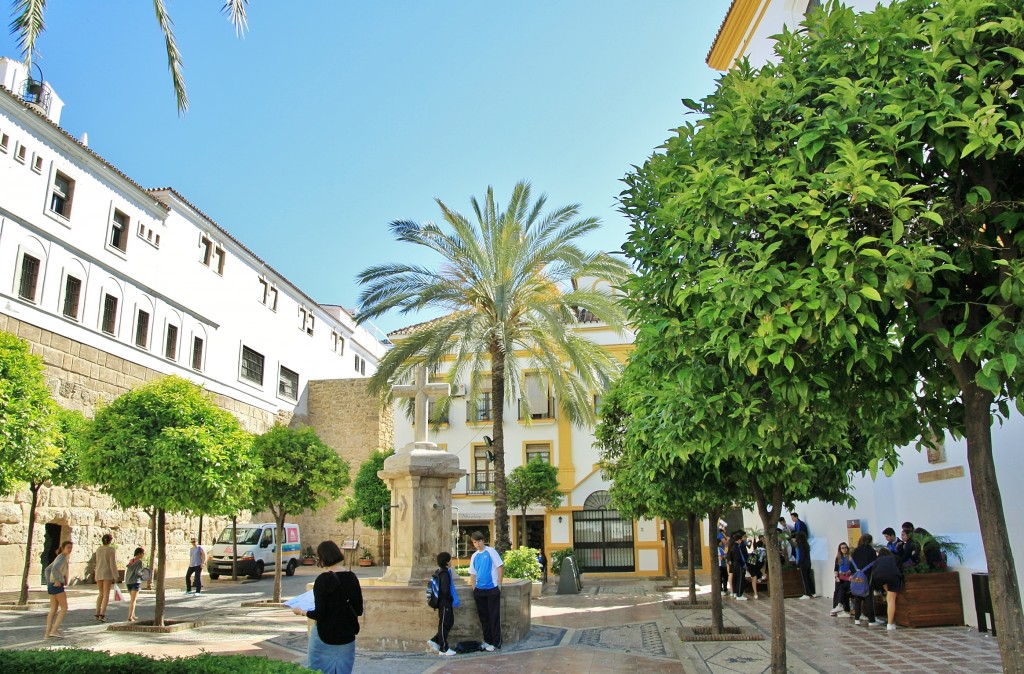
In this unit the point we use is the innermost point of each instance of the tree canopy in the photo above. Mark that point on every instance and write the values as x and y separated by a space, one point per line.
370 494
535 484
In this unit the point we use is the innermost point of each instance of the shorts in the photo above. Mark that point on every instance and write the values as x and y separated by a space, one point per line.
895 584
54 589
133 587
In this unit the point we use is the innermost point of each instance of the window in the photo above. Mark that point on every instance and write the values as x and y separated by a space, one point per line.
598 401
207 250
288 384
37 164
72 295
212 254
252 365
197 354
171 343
538 450
218 255
119 231
538 403
337 343
268 294
142 329
306 320
109 324
62 195
482 481
360 363
29 277
21 153
480 409
4 141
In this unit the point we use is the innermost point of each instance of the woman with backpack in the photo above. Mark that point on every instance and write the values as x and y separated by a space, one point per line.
338 603
756 563
133 580
864 557
843 570
447 600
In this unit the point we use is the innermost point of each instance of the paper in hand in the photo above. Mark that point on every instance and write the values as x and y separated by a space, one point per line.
303 602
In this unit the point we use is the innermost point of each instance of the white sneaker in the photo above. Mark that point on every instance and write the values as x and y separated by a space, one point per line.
741 598
433 646
806 596
873 623
856 621
487 647
891 627
448 652
836 611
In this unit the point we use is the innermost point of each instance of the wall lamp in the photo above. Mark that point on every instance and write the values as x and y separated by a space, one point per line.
559 519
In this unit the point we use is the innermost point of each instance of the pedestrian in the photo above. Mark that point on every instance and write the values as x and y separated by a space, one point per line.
133 580
447 600
723 567
863 555
738 562
105 576
892 543
337 605
196 561
756 563
888 577
57 574
486 571
843 572
803 562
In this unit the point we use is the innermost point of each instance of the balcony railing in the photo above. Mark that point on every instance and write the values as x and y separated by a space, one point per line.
480 482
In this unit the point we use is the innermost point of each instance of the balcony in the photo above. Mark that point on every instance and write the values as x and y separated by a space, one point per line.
480 482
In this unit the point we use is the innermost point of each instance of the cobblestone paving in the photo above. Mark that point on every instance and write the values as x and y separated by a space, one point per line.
643 638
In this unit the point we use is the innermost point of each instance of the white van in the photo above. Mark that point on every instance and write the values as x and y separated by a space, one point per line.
256 550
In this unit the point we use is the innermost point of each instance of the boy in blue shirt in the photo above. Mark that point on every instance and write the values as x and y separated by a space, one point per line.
486 571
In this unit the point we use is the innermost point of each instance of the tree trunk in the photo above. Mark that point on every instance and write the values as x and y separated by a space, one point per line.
161 568
717 623
1006 603
23 596
769 513
501 537
279 536
691 543
234 547
152 548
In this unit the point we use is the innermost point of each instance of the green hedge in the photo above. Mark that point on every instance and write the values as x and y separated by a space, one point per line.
76 661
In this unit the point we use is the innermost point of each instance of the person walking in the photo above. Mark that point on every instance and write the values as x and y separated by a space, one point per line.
57 574
843 572
486 571
337 605
133 580
447 600
196 561
723 566
105 575
863 555
803 562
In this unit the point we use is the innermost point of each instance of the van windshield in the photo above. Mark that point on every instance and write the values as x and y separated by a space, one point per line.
246 536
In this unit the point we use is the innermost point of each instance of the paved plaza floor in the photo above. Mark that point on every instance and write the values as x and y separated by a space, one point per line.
612 626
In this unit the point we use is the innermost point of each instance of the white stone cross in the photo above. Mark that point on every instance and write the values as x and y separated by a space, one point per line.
422 392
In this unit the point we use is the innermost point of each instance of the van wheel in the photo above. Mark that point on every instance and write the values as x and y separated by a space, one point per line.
213 576
258 573
290 569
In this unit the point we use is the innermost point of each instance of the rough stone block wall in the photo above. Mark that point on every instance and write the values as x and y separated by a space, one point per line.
81 377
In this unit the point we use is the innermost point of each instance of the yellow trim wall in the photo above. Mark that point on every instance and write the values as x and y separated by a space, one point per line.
734 36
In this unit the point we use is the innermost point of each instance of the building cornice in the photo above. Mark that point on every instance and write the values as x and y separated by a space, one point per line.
741 20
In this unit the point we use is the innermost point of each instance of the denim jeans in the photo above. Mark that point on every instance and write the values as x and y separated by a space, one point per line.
329 658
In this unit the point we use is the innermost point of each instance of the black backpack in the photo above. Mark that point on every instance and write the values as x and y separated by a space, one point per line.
433 592
467 647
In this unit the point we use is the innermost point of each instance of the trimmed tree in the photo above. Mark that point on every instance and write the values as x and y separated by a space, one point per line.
300 473
867 189
370 502
535 484
166 445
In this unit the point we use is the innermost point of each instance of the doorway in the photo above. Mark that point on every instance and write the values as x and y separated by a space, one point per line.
51 543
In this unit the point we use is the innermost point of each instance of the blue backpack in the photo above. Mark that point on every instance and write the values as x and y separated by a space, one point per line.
433 592
860 584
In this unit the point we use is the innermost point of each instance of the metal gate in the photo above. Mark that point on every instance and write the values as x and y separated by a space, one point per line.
603 541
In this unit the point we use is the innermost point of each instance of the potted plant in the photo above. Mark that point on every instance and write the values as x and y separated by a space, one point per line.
308 557
931 593
522 563
366 559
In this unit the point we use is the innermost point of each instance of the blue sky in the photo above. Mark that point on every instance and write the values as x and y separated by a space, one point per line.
305 138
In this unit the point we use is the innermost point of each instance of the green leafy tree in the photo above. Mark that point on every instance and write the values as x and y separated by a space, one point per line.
167 446
866 189
505 283
535 484
72 438
28 423
370 494
28 25
300 473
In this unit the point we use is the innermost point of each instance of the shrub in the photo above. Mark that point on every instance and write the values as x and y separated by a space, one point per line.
69 660
557 557
522 563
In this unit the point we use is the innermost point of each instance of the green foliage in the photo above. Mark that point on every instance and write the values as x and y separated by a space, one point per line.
535 484
505 286
522 563
556 559
166 445
72 441
28 422
300 472
70 660
370 494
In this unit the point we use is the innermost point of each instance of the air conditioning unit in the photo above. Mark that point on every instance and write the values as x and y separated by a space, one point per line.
459 391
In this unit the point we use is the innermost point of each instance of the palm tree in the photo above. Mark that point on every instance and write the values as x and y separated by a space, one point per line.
28 25
507 287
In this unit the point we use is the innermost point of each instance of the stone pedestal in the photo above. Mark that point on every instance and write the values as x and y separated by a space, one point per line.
421 479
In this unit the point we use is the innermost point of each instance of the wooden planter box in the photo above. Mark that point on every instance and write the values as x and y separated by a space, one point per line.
792 585
927 600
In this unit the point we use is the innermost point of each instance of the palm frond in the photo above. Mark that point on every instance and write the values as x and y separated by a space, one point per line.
235 9
174 62
27 25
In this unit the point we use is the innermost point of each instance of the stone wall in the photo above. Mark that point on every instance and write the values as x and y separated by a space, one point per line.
81 377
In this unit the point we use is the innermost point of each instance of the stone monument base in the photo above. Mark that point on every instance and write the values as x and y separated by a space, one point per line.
397 618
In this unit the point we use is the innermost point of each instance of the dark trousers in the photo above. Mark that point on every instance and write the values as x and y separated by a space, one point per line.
737 583
488 608
198 572
868 605
724 573
841 596
445 620
805 576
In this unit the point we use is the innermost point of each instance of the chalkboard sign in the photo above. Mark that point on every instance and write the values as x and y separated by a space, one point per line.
569 578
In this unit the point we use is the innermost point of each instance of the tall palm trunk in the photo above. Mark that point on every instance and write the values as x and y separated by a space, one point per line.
501 535
23 596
